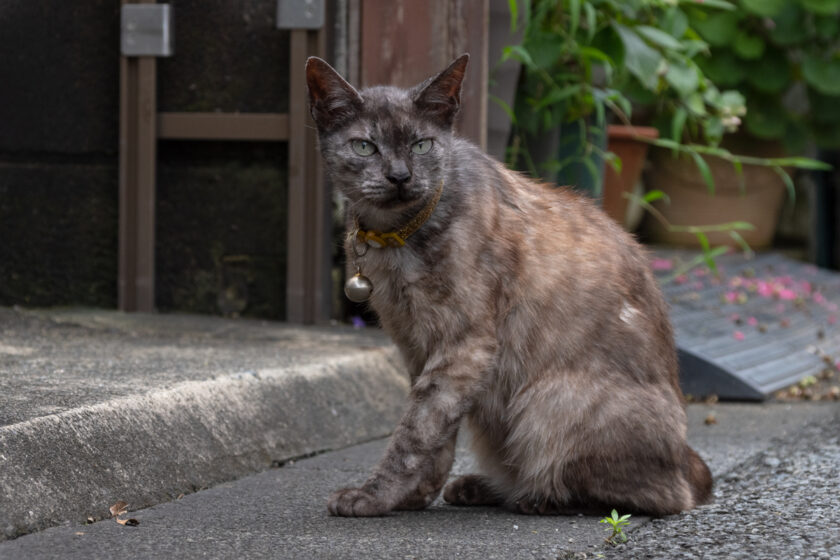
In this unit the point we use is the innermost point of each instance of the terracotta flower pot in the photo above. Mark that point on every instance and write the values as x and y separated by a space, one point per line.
622 141
691 203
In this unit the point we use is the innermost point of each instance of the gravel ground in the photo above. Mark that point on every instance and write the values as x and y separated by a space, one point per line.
781 503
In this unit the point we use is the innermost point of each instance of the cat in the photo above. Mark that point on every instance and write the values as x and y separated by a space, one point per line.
519 308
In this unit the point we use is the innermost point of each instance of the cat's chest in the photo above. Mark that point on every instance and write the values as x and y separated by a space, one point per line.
398 275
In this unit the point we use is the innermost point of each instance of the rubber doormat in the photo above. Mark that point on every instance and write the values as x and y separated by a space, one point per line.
765 323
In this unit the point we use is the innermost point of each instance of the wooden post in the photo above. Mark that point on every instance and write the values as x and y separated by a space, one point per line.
402 43
308 285
137 169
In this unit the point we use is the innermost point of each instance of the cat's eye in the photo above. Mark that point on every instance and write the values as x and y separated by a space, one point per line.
363 147
422 146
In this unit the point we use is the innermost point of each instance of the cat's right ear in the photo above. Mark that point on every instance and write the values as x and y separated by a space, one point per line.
332 100
440 97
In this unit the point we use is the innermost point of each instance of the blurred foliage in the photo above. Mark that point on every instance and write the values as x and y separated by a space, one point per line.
784 57
582 57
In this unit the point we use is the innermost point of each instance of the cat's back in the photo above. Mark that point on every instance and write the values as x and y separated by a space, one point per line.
542 220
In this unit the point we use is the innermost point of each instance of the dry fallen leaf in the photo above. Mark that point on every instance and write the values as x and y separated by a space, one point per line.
118 508
90 520
710 419
79 533
130 522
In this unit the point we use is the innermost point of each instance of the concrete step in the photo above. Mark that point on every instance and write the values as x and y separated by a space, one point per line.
97 406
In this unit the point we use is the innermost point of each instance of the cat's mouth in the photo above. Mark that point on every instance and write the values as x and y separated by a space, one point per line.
400 197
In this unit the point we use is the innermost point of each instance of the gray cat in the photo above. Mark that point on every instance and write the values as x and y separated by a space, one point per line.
518 307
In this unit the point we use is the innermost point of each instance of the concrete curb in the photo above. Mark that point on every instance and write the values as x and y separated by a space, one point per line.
148 449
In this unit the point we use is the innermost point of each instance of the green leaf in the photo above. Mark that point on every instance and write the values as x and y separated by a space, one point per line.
766 8
788 182
821 74
765 118
591 21
655 195
722 4
659 37
613 161
704 170
614 515
823 7
704 242
682 77
827 26
718 29
771 73
745 247
789 27
641 60
674 22
739 225
739 173
504 106
513 8
556 95
748 46
574 16
519 53
678 123
695 104
802 163
545 50
723 68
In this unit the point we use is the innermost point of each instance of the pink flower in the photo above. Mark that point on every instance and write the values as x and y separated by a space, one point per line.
832 319
697 285
738 335
765 289
661 264
734 317
752 321
681 279
787 294
819 298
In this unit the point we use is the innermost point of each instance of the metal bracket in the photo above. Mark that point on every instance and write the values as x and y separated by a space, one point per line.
300 14
146 30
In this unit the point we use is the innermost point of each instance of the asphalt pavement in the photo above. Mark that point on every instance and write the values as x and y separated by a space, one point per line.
776 468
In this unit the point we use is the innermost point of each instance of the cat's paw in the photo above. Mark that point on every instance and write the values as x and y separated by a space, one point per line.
355 502
471 490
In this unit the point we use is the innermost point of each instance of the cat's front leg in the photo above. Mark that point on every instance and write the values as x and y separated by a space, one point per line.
434 476
440 397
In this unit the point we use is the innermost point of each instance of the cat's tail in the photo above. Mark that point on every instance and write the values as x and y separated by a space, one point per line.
699 477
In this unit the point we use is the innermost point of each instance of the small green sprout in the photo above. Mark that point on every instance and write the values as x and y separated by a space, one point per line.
616 524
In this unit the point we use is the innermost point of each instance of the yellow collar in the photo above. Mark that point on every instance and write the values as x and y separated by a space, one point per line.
378 240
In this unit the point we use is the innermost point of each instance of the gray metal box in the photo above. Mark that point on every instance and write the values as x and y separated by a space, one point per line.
300 14
146 30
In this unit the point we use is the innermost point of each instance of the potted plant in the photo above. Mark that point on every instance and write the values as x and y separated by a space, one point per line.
583 62
782 56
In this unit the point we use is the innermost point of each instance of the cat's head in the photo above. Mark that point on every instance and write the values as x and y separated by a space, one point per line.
386 148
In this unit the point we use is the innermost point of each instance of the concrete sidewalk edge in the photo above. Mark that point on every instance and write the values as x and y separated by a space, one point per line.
148 449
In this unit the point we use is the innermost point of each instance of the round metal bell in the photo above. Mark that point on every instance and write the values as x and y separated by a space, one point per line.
358 288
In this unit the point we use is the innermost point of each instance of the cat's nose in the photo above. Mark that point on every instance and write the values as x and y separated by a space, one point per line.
398 176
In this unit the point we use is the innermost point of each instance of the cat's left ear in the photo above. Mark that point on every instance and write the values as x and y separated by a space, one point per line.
332 101
440 97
